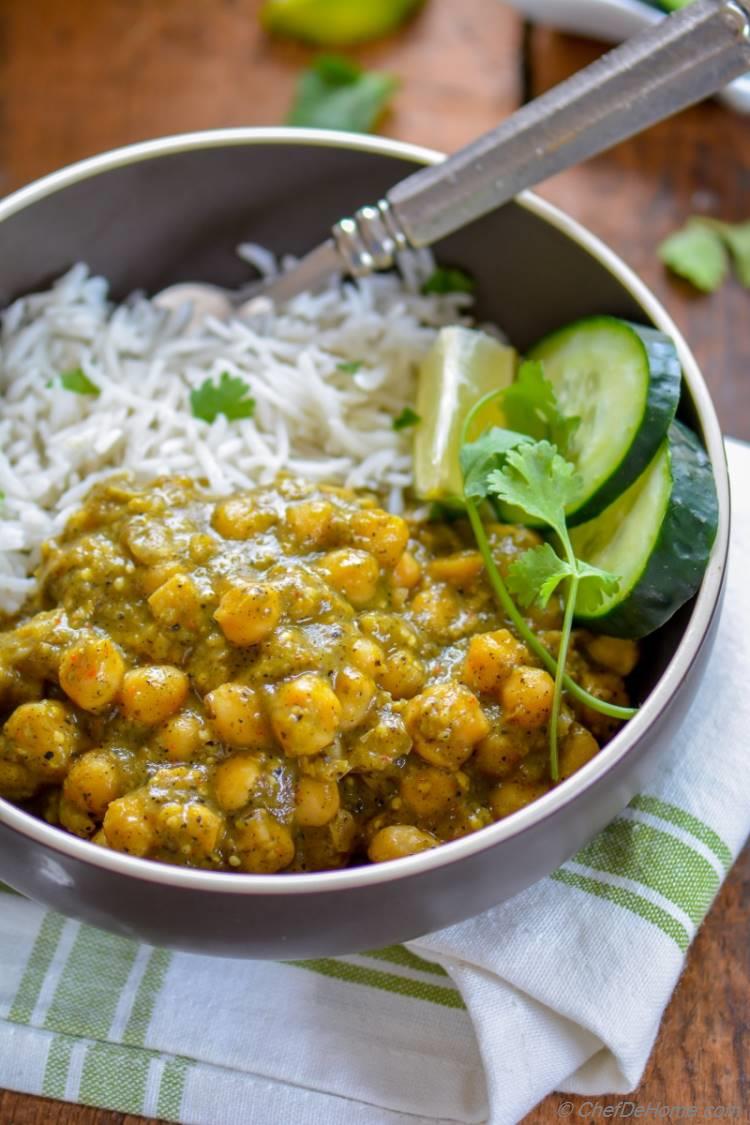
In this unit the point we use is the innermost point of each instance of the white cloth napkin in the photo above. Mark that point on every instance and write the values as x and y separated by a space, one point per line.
561 988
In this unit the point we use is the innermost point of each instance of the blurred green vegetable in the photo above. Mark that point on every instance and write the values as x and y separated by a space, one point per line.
669 5
336 93
700 252
335 23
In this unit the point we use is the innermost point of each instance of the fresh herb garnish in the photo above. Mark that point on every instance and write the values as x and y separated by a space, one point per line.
448 279
349 367
533 476
700 252
530 407
229 397
336 93
78 382
406 418
536 479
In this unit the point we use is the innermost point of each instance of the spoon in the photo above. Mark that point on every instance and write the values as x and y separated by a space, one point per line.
681 60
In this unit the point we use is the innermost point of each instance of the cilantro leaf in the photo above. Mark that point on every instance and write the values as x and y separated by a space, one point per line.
530 407
478 458
604 583
696 253
78 382
336 93
737 239
406 418
535 575
349 367
448 279
538 480
229 397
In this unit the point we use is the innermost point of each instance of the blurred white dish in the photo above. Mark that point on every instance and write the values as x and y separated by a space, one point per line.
613 20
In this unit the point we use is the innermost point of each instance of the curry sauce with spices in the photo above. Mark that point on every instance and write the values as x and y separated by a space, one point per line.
287 679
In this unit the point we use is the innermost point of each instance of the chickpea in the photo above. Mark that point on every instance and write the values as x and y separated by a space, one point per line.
460 569
428 791
436 608
367 655
305 714
500 752
399 840
311 523
578 747
191 827
235 779
153 693
490 660
607 686
617 654
316 802
182 736
265 845
238 716
239 517
402 674
343 831
44 735
94 780
355 692
384 535
126 827
177 602
407 571
91 672
526 696
152 577
353 573
510 796
445 723
17 783
72 817
249 613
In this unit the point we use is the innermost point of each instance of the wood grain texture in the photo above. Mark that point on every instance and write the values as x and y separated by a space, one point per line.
78 77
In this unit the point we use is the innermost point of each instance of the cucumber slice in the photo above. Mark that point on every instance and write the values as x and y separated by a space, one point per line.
657 536
623 381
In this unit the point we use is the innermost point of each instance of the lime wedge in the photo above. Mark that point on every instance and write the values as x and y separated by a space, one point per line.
462 366
335 23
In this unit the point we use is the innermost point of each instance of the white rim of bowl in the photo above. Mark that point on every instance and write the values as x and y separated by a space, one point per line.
706 604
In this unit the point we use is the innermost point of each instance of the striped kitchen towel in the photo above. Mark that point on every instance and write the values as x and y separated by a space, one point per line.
561 988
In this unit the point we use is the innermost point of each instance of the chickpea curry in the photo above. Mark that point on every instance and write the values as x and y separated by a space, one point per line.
287 679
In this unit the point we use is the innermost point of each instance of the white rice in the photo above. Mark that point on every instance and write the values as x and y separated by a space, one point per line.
310 419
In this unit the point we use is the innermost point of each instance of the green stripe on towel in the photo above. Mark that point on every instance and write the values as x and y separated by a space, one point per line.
89 989
689 823
172 1086
655 859
630 901
114 1078
146 996
388 982
58 1063
36 968
400 955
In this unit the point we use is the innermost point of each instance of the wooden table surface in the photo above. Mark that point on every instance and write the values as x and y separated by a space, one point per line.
80 77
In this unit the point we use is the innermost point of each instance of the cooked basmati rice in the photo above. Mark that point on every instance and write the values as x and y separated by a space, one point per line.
311 418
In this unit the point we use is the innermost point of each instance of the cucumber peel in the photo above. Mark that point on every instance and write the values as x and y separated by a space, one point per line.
657 536
623 381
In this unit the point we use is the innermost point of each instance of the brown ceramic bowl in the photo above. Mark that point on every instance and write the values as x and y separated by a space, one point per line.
175 209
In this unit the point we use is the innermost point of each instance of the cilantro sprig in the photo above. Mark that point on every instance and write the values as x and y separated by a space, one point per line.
536 479
701 250
531 475
230 396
